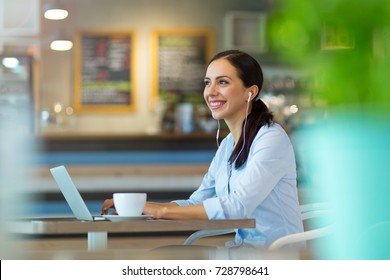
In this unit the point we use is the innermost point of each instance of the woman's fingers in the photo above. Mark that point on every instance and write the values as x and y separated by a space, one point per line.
108 203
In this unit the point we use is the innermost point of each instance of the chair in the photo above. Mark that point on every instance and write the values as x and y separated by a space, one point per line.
308 211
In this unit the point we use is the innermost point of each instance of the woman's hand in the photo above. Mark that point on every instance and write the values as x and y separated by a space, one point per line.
173 211
157 210
108 203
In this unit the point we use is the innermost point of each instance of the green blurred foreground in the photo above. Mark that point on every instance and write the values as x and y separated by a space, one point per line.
346 45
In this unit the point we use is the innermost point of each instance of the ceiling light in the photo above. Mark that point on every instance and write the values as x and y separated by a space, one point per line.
61 45
55 11
60 41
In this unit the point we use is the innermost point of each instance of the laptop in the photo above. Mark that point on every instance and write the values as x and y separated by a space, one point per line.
72 195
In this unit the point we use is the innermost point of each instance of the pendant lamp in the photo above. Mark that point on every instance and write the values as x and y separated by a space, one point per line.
54 10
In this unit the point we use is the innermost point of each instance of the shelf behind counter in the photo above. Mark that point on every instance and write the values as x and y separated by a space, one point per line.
72 148
52 142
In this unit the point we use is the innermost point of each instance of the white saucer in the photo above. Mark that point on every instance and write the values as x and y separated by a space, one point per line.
116 218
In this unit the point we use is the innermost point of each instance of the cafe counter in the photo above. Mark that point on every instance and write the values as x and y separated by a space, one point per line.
166 166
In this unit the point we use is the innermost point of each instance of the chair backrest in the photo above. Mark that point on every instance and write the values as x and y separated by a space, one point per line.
308 211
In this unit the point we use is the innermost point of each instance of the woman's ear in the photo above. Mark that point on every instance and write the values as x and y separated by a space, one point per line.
253 91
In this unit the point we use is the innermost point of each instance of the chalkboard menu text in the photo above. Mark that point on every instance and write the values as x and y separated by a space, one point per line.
104 72
179 63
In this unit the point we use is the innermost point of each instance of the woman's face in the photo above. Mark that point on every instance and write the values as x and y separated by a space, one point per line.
224 92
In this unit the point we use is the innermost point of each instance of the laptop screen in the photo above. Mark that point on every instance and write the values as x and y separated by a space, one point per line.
71 194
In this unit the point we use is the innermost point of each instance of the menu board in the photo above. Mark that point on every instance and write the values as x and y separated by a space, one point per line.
179 64
104 73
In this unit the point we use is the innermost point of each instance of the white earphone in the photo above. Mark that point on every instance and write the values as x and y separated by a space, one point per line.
249 96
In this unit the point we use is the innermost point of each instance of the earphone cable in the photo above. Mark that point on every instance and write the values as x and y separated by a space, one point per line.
242 148
217 136
243 133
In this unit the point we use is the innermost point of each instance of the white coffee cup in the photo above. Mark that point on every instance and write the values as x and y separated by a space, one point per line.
129 204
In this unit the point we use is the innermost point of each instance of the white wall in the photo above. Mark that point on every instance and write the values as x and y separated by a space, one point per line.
141 16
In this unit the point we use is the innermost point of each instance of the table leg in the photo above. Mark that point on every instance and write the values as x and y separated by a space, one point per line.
97 241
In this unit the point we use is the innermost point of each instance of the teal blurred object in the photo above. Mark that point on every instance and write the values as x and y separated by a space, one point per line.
347 161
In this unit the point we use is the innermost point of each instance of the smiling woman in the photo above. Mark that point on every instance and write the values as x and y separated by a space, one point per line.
238 79
253 173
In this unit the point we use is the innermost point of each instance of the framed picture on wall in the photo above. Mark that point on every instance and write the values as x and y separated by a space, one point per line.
18 93
246 31
104 72
336 37
179 58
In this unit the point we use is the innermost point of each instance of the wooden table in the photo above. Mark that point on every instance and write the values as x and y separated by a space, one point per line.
98 230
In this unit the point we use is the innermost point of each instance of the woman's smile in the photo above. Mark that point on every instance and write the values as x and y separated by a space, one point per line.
216 105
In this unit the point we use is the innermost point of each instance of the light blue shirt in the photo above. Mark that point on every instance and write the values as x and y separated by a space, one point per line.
264 188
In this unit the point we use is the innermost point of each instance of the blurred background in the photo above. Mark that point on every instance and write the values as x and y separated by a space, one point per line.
121 105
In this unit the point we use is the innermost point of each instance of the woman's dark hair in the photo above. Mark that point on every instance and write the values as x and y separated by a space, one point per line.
249 71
